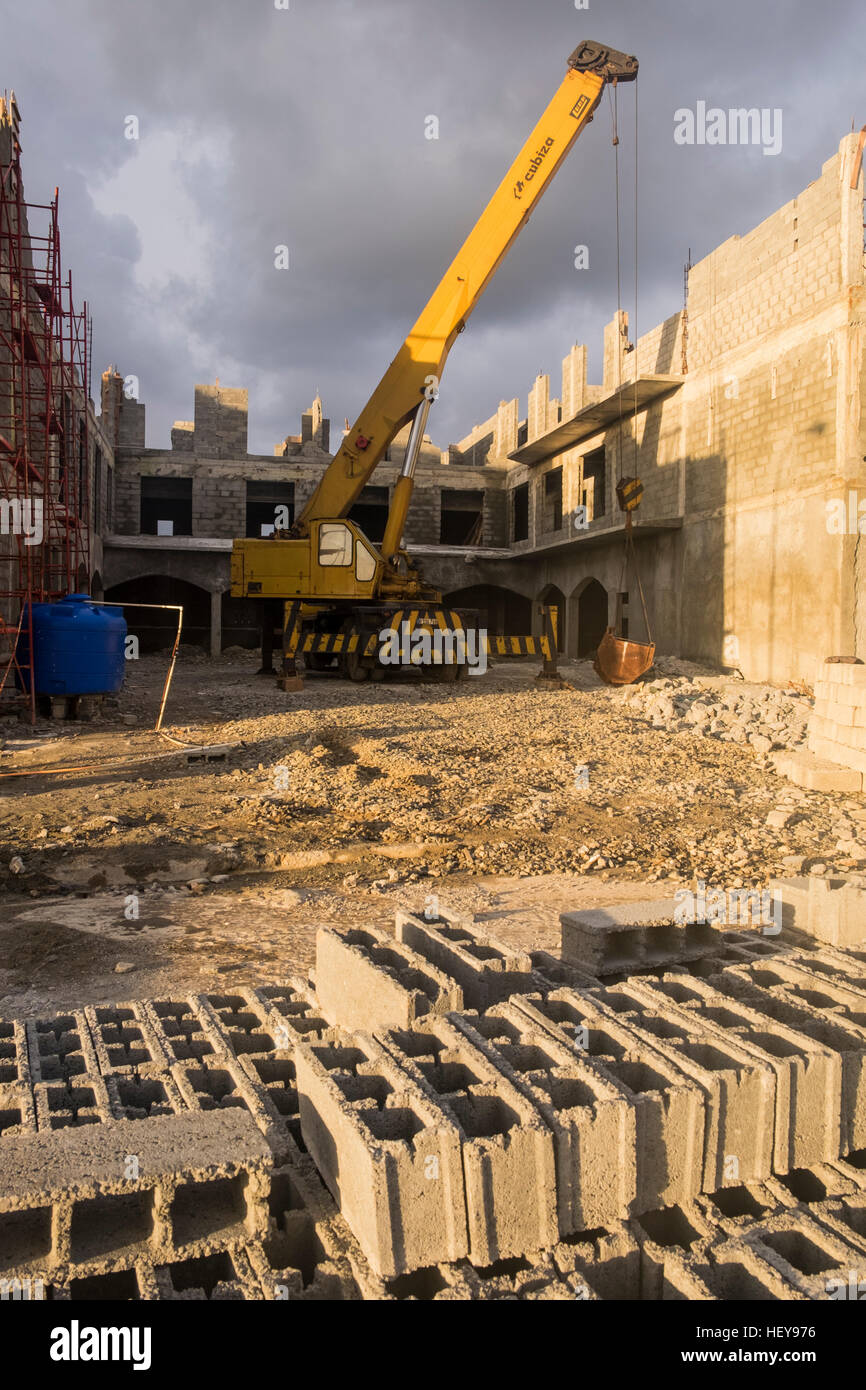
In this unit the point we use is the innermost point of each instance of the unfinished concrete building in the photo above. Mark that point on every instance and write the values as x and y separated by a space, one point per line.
741 413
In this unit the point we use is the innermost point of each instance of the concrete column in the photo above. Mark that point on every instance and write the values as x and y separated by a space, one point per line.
216 623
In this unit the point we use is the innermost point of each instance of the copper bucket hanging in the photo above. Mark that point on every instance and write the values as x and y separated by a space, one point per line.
618 660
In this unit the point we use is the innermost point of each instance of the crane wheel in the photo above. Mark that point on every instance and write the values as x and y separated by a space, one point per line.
352 666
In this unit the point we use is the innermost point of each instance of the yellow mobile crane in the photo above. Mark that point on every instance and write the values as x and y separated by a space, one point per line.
335 582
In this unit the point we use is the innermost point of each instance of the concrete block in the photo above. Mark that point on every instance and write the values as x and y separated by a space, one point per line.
832 910
737 1271
67 1200
817 774
808 1255
738 1087
507 1149
830 1014
389 1154
593 1123
486 970
668 1106
808 1091
633 936
368 981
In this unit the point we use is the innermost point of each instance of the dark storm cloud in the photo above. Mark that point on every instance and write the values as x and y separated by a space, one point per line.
306 127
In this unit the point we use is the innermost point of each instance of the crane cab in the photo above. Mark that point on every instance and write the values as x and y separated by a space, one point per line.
335 561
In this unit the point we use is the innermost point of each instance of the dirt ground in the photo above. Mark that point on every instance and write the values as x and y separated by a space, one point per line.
128 870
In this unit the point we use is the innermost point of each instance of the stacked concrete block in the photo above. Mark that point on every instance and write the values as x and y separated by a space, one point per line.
633 936
697 1134
668 1106
605 1263
389 1154
811 1256
845 1216
673 1244
808 1075
506 1148
837 727
17 1106
486 970
67 1088
368 981
806 1008
737 1084
737 1271
106 1195
592 1121
308 1253
832 910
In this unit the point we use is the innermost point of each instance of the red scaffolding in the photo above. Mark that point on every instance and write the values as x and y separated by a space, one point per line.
44 393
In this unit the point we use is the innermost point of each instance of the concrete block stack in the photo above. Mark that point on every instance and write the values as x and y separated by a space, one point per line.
446 1117
837 729
834 759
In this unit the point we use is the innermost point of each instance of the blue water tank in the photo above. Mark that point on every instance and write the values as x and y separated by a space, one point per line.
78 647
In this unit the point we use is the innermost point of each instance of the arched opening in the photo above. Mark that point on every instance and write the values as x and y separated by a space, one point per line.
502 612
591 617
555 598
155 630
96 590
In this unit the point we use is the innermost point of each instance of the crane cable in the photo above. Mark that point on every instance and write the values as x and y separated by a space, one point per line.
630 552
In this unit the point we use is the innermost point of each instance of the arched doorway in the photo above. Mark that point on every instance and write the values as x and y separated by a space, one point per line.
591 617
502 612
156 630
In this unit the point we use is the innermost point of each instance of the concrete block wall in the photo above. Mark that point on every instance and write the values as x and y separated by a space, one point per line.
220 426
837 727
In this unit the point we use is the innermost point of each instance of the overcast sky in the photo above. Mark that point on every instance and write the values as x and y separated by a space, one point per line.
306 127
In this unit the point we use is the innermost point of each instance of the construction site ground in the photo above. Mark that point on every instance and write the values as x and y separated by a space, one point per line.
146 873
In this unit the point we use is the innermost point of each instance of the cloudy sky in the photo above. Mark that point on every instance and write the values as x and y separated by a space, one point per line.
306 126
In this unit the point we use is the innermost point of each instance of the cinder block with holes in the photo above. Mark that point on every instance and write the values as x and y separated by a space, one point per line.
736 1271
810 1256
99 1196
739 1087
808 1075
507 1149
389 1154
486 970
367 981
17 1103
592 1121
673 1246
633 936
605 1261
668 1107
831 1014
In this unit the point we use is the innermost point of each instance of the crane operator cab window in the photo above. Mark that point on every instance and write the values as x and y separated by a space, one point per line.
365 564
335 544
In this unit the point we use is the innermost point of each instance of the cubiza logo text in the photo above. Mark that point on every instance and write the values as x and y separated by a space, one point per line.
77 1343
736 126
441 646
729 907
534 165
22 516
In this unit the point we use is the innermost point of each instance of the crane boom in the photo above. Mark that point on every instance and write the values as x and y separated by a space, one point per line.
411 380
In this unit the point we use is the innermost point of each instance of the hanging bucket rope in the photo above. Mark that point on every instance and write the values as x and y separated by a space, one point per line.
618 660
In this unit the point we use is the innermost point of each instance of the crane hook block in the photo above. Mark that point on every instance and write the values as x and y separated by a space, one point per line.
609 63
